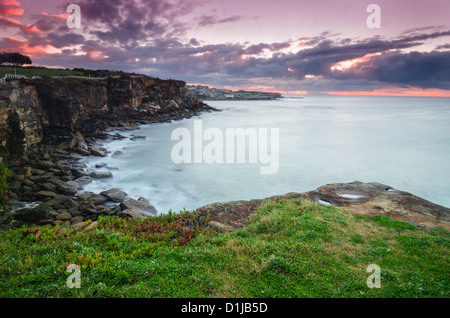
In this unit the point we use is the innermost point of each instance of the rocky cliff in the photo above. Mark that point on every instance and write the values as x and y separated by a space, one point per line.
48 126
54 110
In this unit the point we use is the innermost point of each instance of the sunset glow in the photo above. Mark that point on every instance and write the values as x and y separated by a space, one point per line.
343 65
397 92
308 49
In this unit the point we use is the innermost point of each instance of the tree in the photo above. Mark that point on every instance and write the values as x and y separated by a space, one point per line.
15 59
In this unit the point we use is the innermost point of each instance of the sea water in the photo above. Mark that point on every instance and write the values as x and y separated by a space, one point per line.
403 142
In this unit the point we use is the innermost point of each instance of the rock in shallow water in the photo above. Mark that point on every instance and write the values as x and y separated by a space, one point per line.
83 180
98 152
101 174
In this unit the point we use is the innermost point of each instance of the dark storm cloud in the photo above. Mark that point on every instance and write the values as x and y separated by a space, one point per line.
422 69
131 21
60 41
443 47
387 65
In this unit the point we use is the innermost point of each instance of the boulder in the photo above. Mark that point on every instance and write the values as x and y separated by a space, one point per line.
140 208
45 164
46 194
57 200
92 198
78 141
110 210
78 172
69 187
76 156
32 215
64 216
83 180
77 219
137 137
101 174
38 172
135 213
82 152
64 165
172 105
15 185
114 195
98 152
47 186
100 165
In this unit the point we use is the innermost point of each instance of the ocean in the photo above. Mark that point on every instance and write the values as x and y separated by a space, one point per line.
303 143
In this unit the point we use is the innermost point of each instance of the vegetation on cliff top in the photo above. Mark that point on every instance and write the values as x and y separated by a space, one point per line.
31 71
37 71
288 249
5 173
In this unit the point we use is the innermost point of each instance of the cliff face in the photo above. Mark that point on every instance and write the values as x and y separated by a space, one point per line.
20 118
32 111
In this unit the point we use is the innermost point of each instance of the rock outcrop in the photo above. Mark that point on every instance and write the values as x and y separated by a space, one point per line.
47 128
356 197
55 110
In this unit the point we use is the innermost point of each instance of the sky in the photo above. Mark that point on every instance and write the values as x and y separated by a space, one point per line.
287 46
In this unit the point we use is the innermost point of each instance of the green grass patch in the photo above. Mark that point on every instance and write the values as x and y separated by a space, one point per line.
287 249
37 71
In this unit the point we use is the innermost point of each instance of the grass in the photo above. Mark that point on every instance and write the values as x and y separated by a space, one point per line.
288 249
35 71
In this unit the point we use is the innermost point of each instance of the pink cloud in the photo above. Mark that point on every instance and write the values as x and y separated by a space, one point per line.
11 11
30 28
10 22
10 3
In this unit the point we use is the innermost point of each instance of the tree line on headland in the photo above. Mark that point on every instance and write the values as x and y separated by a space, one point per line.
15 59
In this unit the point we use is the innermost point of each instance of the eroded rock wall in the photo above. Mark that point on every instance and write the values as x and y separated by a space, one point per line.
33 111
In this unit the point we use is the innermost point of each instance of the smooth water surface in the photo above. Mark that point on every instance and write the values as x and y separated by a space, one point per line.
403 142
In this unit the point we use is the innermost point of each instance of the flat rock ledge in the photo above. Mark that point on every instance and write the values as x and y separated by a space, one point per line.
356 197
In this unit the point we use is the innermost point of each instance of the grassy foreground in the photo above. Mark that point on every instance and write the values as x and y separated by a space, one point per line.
288 249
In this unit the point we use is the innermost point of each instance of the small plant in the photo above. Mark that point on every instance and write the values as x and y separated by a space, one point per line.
5 173
279 265
357 238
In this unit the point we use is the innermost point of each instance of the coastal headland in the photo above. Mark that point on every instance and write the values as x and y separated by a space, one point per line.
48 126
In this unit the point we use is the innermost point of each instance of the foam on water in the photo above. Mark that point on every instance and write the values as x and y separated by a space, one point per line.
399 141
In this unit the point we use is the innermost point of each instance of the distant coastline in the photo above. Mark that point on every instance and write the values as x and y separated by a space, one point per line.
207 93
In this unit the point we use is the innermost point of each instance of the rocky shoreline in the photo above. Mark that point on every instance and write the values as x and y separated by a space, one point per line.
46 148
47 190
47 183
